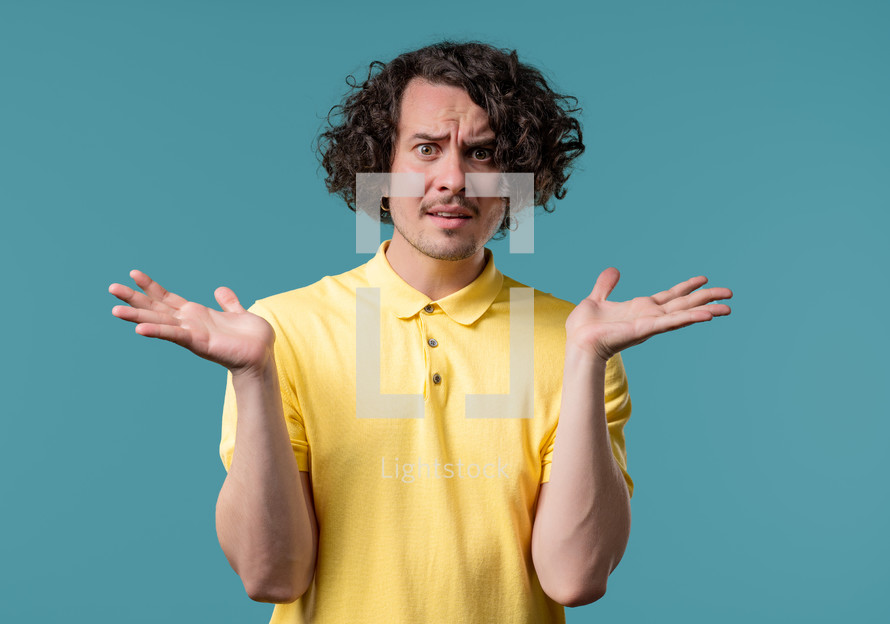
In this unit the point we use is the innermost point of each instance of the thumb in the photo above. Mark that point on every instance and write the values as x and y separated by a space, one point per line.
227 300
605 283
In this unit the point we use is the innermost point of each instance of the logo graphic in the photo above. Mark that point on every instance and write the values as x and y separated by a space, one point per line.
518 402
518 188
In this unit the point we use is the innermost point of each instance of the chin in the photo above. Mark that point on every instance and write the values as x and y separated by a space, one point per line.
458 251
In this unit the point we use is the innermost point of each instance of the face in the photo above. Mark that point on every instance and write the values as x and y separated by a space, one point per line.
444 135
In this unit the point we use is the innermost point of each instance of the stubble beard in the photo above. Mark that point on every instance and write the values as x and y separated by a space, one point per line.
465 248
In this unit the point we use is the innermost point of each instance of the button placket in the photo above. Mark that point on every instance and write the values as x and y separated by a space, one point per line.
432 343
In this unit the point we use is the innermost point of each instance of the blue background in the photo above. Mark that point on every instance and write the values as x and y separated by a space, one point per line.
748 141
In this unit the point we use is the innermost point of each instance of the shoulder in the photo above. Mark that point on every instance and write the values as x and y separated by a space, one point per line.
328 294
548 308
551 314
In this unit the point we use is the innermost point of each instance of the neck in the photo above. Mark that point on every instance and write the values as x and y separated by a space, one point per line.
434 278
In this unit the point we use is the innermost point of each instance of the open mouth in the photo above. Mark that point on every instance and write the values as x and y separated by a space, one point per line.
448 221
443 215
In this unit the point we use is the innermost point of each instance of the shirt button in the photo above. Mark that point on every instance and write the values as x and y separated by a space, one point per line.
433 342
428 309
437 378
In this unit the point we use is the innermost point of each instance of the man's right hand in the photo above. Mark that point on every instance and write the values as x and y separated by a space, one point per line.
237 339
265 514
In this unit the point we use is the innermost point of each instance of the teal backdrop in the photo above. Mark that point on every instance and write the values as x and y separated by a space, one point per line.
747 141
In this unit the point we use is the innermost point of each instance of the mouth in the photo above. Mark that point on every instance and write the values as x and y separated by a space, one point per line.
448 215
450 212
449 219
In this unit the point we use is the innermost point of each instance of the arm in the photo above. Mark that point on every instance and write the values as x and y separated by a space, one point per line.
265 516
583 519
582 523
265 513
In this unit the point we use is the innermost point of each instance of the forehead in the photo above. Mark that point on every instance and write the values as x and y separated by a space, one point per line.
439 109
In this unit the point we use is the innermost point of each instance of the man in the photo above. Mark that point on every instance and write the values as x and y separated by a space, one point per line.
374 489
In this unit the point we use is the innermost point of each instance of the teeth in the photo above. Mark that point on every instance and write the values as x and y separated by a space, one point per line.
445 214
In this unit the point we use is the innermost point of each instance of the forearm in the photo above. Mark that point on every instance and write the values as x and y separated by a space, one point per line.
583 523
262 518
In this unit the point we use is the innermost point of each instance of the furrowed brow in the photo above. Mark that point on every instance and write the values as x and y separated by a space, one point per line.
480 142
423 136
483 142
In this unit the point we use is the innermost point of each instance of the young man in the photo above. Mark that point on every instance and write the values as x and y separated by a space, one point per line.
367 481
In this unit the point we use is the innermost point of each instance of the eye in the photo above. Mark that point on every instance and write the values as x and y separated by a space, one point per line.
481 153
425 149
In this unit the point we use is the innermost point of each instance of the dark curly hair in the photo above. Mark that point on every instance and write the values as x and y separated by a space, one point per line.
535 127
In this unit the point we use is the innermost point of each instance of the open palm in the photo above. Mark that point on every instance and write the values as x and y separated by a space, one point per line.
235 338
604 327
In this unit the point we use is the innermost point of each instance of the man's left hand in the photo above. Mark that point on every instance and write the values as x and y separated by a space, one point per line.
603 328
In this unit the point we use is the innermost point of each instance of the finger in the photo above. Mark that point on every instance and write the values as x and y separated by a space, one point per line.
227 300
670 322
137 315
173 334
683 288
697 299
605 283
155 290
137 299
715 309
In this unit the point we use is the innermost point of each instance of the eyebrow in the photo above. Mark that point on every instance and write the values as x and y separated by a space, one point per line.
481 142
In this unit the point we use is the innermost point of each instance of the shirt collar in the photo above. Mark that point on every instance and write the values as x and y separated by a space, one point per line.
464 306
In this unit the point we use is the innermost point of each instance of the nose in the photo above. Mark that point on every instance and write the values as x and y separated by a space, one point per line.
450 175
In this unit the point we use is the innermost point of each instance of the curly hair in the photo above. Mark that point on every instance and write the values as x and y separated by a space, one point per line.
535 127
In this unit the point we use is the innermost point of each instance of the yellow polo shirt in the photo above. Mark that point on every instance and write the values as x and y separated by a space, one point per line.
425 501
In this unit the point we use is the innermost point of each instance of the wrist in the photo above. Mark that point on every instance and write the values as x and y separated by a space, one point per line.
262 371
583 356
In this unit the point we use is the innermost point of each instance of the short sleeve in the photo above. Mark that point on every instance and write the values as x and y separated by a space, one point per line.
292 414
618 407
